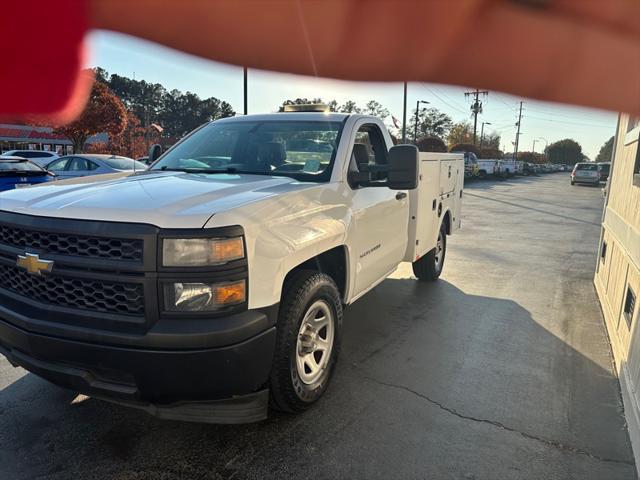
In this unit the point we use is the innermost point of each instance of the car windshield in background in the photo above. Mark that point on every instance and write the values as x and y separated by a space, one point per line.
19 166
587 166
604 167
123 163
302 150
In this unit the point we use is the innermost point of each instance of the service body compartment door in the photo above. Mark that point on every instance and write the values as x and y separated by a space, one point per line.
448 176
440 180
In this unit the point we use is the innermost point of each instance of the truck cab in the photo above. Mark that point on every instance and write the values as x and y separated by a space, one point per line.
211 286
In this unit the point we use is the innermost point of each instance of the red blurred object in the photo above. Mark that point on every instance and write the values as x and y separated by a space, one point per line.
40 73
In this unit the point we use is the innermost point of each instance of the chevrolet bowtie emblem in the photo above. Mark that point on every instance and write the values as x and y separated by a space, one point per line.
32 264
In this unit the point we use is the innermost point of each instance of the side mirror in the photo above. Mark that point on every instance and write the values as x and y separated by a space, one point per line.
154 152
403 167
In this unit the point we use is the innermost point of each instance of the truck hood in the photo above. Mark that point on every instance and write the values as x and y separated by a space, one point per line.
163 199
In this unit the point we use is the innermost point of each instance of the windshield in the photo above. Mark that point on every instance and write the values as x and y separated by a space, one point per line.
587 166
19 166
604 167
123 163
302 150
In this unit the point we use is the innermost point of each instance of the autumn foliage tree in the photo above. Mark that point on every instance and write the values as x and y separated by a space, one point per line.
131 142
431 144
104 113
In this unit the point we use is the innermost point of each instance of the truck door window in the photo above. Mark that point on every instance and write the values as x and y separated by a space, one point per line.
370 146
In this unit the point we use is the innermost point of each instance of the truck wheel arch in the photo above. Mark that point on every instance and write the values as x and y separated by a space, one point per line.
447 222
333 262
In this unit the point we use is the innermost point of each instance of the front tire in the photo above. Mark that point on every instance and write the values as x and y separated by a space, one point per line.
307 341
429 267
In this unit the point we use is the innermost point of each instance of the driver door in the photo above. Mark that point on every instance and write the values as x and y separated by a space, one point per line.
380 216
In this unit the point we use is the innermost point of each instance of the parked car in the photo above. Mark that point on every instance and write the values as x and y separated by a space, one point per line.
212 285
585 173
529 169
603 170
18 172
93 164
39 157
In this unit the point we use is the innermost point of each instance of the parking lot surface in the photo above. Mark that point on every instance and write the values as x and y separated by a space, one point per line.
500 370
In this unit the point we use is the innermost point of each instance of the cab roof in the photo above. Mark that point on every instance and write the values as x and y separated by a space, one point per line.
289 116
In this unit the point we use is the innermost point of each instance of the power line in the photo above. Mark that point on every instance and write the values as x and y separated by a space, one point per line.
442 100
452 100
571 123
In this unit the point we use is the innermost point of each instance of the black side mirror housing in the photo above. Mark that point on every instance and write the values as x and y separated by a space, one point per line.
154 152
403 167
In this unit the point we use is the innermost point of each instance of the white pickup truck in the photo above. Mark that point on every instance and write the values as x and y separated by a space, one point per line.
212 285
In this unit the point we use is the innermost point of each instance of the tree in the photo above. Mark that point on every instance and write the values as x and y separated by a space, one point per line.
532 157
465 147
131 142
565 151
460 132
104 112
431 123
491 153
177 112
490 141
606 151
431 144
349 107
376 109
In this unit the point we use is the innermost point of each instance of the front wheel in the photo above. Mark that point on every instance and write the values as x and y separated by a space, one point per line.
429 267
307 341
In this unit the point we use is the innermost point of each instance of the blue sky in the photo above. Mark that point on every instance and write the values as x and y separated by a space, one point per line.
132 57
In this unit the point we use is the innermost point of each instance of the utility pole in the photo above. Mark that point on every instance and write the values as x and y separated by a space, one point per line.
404 115
476 108
533 149
246 93
515 153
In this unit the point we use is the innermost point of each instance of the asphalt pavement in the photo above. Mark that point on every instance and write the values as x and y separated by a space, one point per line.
501 370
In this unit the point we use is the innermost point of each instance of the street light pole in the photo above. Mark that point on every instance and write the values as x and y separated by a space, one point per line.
246 93
482 132
415 127
533 149
404 115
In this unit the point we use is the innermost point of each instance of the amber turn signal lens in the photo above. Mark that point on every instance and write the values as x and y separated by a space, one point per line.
230 293
228 249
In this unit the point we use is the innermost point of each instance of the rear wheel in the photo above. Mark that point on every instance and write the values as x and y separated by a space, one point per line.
429 267
307 341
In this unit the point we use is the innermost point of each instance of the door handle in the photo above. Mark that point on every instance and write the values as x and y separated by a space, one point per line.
400 195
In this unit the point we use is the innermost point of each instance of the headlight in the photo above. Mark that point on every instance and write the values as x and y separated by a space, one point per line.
202 297
200 252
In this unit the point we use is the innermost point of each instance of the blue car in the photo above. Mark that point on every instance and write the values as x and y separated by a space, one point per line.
18 172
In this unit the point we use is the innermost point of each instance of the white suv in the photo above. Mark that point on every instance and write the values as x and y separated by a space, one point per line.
39 157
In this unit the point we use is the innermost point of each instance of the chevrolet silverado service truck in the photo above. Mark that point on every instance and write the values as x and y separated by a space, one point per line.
211 285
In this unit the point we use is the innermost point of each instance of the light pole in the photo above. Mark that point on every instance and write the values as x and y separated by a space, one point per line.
246 93
482 132
415 127
533 148
404 115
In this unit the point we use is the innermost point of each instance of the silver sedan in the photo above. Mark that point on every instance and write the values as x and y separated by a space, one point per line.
82 165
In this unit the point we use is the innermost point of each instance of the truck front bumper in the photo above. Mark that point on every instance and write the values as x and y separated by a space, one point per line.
222 384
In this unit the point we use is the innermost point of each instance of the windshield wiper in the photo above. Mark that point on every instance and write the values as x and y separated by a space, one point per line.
199 170
210 170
